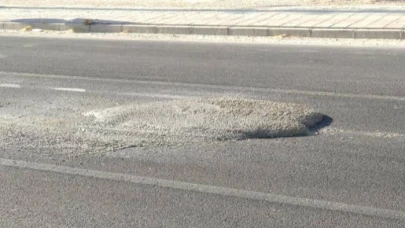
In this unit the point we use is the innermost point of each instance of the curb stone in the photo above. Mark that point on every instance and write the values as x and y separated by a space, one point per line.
298 32
78 27
210 30
14 26
378 34
248 31
174 29
214 30
102 28
139 29
333 33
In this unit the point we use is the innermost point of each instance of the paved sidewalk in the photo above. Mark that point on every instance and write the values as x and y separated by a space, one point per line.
304 22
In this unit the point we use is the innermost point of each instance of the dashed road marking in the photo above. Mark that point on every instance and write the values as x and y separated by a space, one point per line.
210 86
70 89
208 189
156 95
10 85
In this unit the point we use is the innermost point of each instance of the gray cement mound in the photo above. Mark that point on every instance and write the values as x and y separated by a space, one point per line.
207 119
167 123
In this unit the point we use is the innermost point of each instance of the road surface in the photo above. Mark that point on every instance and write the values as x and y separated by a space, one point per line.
349 174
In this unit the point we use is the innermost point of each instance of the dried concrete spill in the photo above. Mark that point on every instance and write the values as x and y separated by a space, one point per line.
160 124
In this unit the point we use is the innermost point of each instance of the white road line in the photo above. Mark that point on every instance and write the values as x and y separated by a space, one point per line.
195 85
272 198
149 95
70 89
343 95
10 85
156 95
376 134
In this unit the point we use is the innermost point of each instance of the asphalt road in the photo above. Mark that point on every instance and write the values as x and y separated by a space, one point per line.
350 174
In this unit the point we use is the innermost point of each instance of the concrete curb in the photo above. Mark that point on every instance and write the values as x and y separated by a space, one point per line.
213 30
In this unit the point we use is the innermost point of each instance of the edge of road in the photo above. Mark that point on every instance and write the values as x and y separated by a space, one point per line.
312 32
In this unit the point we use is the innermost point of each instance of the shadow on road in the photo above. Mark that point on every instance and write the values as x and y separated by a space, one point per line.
326 121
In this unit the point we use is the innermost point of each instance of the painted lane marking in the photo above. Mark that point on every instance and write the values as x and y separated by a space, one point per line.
10 86
375 134
156 95
148 95
70 89
210 86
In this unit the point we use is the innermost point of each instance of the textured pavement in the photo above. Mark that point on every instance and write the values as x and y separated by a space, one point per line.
357 161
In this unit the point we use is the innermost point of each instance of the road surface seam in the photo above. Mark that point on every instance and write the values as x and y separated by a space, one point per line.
268 197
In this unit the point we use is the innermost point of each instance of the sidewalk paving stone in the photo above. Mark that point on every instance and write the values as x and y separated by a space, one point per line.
246 19
293 21
302 20
400 23
353 19
316 21
269 21
368 21
336 18
228 20
306 22
382 23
